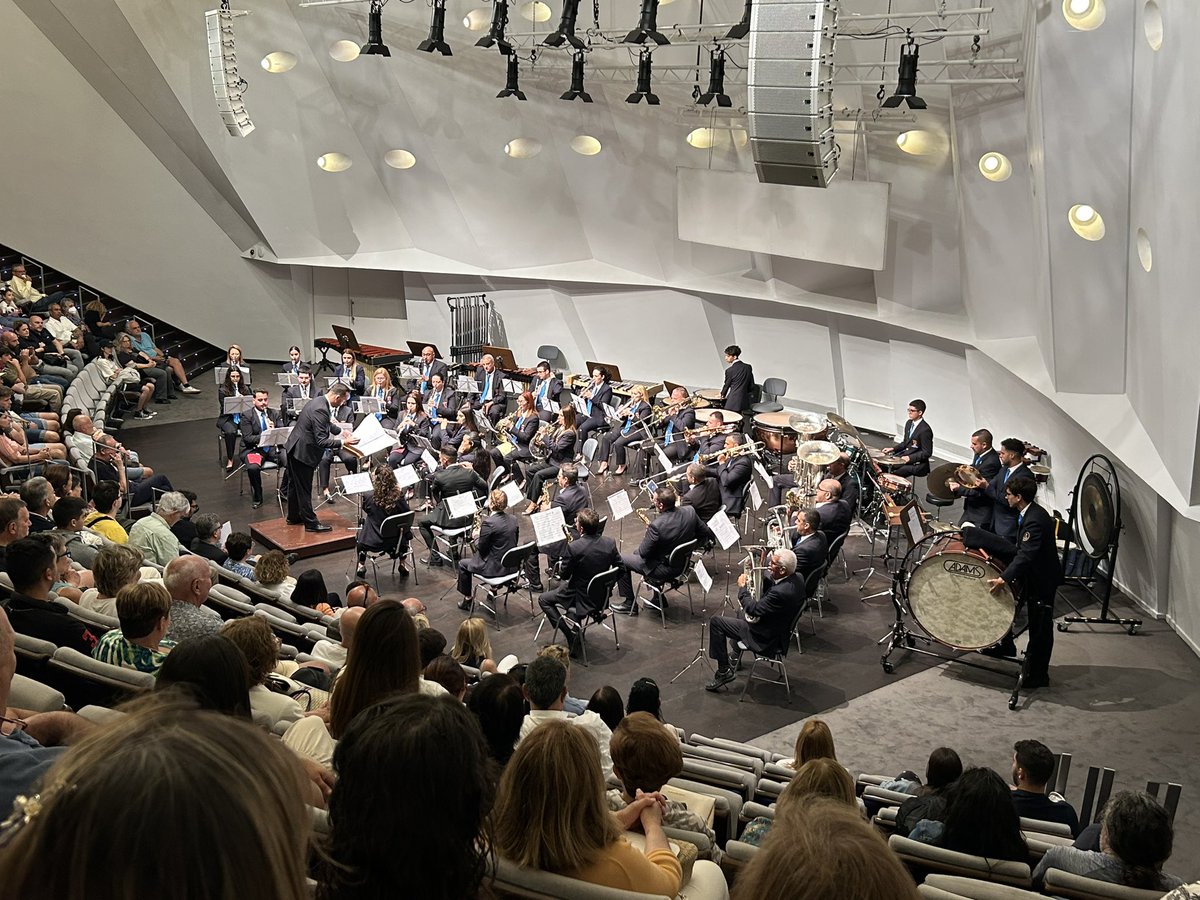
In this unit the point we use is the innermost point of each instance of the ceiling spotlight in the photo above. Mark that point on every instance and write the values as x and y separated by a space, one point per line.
375 45
344 51
742 28
477 19
647 26
400 159
536 11
995 166
495 37
511 87
576 91
523 148
1086 222
585 145
643 90
716 81
437 31
906 85
279 61
334 162
565 33
1084 15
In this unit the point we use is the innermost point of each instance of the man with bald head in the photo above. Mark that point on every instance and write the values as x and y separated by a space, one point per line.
429 366
834 512
188 579
334 652
359 593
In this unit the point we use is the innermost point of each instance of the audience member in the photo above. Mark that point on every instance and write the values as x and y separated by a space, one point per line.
38 497
385 501
32 566
822 777
310 592
359 593
1032 767
445 671
572 706
980 819
144 611
273 573
472 646
68 518
270 695
545 689
815 741
152 534
188 579
14 524
207 542
929 801
62 480
68 581
211 671
115 567
430 642
102 519
606 703
237 548
184 529
498 702
334 652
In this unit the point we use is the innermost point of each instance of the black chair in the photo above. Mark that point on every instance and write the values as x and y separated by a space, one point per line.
938 505
682 561
599 600
513 564
812 597
774 658
835 547
391 530
772 390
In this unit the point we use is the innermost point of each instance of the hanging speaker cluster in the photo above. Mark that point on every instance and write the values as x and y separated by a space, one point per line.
228 85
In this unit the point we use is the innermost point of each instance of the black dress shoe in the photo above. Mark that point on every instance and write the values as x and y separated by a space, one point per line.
318 529
630 610
1036 681
290 522
256 503
292 558
720 679
464 604
432 561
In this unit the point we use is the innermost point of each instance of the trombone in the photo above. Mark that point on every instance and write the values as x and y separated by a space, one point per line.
660 413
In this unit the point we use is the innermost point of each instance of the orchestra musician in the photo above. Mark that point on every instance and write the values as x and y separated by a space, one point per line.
712 441
343 414
832 510
525 426
296 395
451 478
387 395
916 448
464 425
571 498
292 367
385 500
838 469
232 386
560 449
429 366
703 493
491 399
583 558
309 438
768 622
351 372
739 381
670 528
1012 462
625 430
733 475
252 426
497 535
546 391
977 505
596 395
676 424
233 359
441 403
811 546
413 424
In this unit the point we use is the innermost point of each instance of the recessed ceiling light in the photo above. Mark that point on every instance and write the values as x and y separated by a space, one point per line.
399 159
535 11
1086 222
708 138
1152 24
523 148
585 145
344 51
1145 254
1084 15
334 162
917 142
279 61
477 19
995 166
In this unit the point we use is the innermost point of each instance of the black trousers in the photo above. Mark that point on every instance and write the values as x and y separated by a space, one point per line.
299 499
722 630
556 604
254 470
1041 636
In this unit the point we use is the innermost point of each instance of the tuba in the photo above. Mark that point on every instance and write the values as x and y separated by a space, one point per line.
753 575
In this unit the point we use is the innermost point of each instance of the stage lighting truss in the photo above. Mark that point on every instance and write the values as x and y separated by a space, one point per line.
228 85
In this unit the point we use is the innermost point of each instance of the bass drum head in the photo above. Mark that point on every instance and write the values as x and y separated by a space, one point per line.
1096 517
949 597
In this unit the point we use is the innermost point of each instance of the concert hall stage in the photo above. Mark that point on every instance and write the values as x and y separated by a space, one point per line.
279 535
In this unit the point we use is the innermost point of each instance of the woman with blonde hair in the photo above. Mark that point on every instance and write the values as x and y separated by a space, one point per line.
115 566
817 778
389 398
100 829
623 433
472 646
273 573
351 373
551 814
815 741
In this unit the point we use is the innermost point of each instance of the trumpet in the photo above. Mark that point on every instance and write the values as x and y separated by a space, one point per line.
689 433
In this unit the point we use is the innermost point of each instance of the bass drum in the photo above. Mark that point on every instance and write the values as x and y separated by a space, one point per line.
948 595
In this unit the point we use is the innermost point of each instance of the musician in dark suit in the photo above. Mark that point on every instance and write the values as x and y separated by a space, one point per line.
343 414
917 447
413 423
811 546
302 392
491 398
713 442
252 426
626 430
977 505
311 436
546 389
497 535
1035 570
596 395
840 471
768 622
739 381
429 366
352 372
560 450
675 425
835 515
441 404
294 363
670 528
1012 465
733 474
704 493
583 558
451 478
571 498
525 423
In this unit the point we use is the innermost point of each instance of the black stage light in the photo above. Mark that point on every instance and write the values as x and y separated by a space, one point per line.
511 87
647 27
495 36
716 81
565 33
643 90
906 85
576 91
742 28
375 45
437 31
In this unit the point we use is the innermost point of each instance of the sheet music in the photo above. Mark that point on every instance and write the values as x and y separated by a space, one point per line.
371 437
461 506
242 403
286 379
513 493
662 459
356 483
755 496
620 505
298 403
226 531
580 406
330 382
467 385
702 576
510 386
430 462
609 411
408 370
723 529
274 436
762 472
548 526
369 405
554 407
406 476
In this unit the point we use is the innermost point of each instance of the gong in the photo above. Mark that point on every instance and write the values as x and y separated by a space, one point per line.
1097 518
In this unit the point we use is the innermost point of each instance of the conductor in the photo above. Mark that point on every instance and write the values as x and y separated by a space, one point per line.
739 381
311 436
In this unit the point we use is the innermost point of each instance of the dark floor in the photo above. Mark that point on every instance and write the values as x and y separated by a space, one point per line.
839 663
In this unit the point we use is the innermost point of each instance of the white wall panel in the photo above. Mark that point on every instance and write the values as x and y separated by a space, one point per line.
940 379
867 394
536 318
797 351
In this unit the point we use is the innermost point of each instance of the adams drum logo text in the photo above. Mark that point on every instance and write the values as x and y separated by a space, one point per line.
965 570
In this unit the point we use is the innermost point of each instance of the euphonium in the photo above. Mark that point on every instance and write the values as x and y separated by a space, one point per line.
504 426
753 581
538 448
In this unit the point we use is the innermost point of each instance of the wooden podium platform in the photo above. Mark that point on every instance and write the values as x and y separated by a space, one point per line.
279 535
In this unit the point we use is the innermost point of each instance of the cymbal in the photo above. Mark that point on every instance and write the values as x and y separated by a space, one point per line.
844 426
807 423
818 453
936 482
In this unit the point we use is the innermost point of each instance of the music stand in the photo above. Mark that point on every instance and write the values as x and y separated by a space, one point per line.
417 346
614 372
503 356
346 338
670 386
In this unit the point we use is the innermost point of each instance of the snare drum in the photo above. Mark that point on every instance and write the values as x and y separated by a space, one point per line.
949 597
894 484
774 432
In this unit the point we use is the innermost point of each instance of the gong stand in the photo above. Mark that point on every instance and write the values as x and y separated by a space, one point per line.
1096 515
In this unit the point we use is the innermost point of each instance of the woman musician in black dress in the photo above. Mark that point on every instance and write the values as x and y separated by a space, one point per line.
352 373
625 431
388 397
385 500
522 425
232 386
560 448
414 423
464 424
595 395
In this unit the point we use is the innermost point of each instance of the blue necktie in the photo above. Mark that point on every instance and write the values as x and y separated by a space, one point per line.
487 387
670 428
262 418
434 405
542 391
1007 472
975 461
629 421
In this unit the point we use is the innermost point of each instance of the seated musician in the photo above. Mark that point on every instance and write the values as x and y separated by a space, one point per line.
232 386
596 395
497 535
712 439
429 366
413 424
571 498
546 390
670 528
387 395
560 449
676 424
252 426
441 403
833 511
733 474
464 425
235 360
351 371
294 363
491 399
768 623
296 395
345 414
386 499
583 558
810 547
916 448
838 469
703 493
626 430
524 425
977 505
451 478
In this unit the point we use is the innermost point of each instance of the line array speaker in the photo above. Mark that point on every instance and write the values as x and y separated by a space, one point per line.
228 85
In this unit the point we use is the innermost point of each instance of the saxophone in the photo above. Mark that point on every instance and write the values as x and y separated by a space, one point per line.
544 499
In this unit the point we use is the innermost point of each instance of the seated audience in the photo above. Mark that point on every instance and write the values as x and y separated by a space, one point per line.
270 695
929 800
1032 767
115 566
207 542
68 515
62 479
498 703
445 671
545 689
144 611
334 652
188 579
211 671
33 568
310 592
14 523
815 741
555 779
273 573
152 534
980 819
237 548
606 703
472 646
572 706
431 643
68 581
39 500
823 777
102 519
184 530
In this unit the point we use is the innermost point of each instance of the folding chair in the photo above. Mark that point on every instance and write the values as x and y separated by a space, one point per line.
776 661
598 599
391 530
513 563
681 561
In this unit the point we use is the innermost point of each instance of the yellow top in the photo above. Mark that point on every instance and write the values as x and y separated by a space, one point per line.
624 867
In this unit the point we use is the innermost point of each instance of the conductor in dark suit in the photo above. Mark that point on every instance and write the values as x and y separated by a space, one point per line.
704 495
252 426
1036 572
584 558
768 622
977 505
739 381
733 474
916 448
451 478
497 535
311 436
491 398
545 390
670 528
810 547
1012 465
